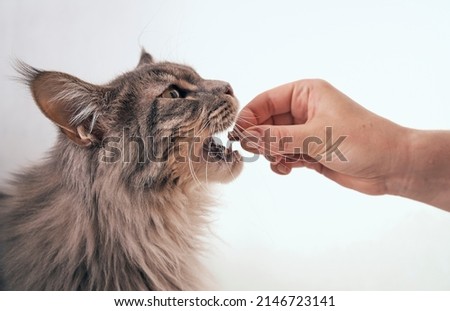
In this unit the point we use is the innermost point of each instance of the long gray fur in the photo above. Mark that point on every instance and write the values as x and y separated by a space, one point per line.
75 222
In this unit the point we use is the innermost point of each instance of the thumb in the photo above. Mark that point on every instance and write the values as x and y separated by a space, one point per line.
281 139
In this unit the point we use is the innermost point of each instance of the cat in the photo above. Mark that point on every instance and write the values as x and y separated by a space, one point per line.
100 214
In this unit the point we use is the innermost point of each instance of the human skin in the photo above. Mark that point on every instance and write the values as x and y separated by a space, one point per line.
375 156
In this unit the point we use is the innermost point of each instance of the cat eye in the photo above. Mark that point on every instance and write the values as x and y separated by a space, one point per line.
171 92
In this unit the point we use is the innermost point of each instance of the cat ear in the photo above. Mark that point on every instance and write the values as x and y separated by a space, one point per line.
72 104
145 59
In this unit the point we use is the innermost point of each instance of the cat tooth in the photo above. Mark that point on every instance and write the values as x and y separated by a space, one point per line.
229 148
227 151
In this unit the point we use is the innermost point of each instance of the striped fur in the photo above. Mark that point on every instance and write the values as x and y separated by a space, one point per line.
76 221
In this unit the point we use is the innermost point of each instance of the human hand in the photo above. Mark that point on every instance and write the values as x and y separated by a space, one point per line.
310 123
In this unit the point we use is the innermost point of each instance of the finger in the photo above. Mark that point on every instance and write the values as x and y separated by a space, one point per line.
295 159
271 158
280 168
283 161
281 119
318 167
249 143
285 139
277 101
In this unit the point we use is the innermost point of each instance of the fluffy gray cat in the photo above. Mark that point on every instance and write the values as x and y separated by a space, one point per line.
120 202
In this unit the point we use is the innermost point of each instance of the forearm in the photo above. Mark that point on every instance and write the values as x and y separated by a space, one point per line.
424 174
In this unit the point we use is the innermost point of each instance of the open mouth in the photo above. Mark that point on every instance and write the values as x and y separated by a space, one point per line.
223 118
214 151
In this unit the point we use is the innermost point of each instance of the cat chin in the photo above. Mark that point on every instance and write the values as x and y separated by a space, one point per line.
221 164
233 172
217 169
224 172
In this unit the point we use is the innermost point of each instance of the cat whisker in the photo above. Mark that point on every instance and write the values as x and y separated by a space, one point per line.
243 118
231 172
141 212
192 170
193 174
248 122
206 172
204 127
242 136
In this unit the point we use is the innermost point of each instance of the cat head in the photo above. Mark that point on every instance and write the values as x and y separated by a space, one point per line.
153 124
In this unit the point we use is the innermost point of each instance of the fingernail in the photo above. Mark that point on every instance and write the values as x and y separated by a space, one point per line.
270 158
283 169
251 139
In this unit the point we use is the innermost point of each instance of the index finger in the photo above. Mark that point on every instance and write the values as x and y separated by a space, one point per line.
278 101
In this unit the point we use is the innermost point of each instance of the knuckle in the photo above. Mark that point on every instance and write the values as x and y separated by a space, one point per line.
320 83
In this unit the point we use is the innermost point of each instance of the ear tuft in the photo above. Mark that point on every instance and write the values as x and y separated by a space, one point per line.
145 59
26 72
72 104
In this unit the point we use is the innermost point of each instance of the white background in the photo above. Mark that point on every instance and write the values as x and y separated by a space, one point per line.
297 232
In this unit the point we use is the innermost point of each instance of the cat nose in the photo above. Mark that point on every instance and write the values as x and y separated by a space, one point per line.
218 87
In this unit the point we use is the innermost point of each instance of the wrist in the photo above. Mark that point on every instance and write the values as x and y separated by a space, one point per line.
423 168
